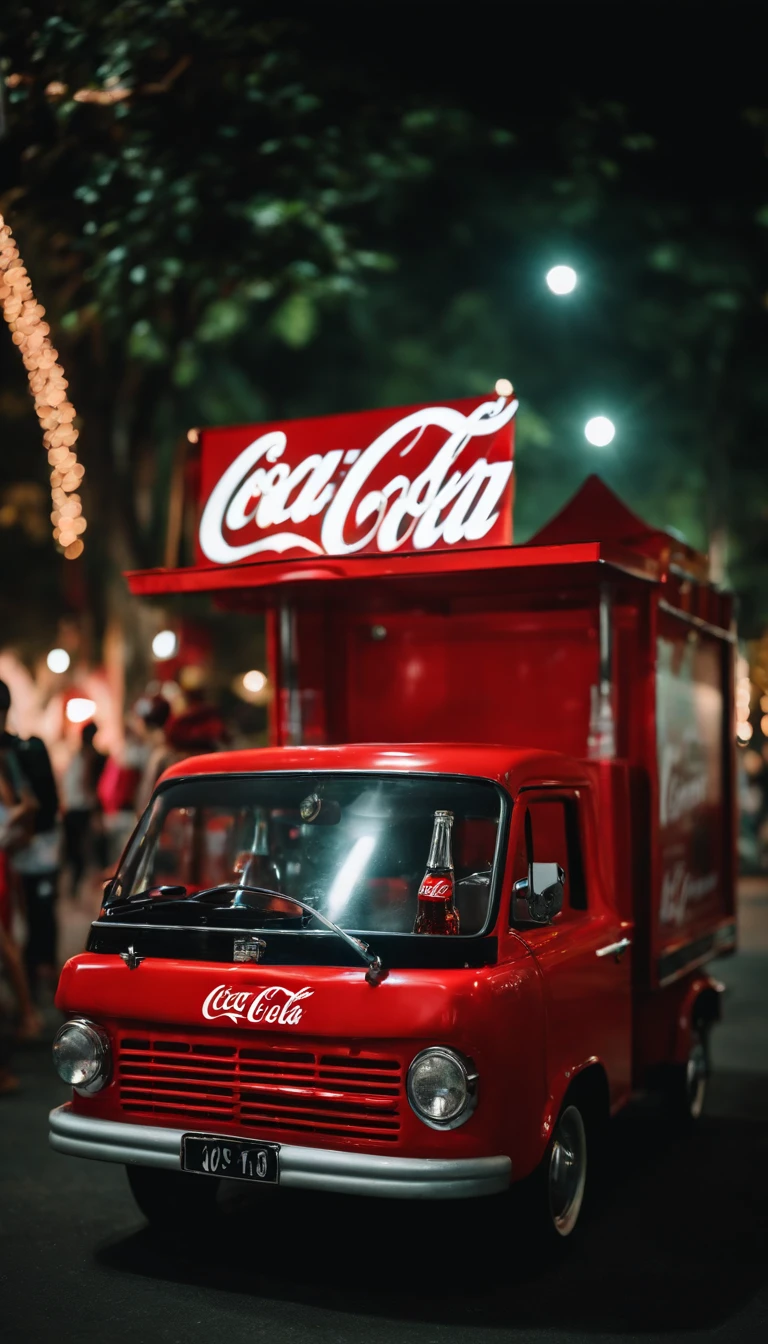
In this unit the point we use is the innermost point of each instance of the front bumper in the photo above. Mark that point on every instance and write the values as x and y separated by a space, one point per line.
300 1168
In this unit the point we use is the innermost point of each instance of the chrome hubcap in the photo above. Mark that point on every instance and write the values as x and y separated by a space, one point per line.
567 1171
696 1078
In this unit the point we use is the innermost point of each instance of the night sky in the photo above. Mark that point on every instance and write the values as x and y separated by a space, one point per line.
687 70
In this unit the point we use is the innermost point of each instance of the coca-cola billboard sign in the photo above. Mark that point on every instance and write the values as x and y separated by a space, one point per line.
420 478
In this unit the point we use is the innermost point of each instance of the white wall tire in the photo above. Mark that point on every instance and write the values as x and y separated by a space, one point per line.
566 1171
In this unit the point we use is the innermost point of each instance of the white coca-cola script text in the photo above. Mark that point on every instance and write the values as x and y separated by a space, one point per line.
276 1005
440 504
435 888
680 890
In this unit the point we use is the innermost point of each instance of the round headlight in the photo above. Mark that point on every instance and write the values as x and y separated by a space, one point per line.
81 1055
442 1087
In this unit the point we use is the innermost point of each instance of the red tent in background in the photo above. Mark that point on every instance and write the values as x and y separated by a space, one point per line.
595 513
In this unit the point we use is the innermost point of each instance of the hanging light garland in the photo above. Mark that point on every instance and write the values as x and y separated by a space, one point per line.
47 384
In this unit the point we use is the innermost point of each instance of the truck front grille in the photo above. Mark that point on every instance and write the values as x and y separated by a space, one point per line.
329 1093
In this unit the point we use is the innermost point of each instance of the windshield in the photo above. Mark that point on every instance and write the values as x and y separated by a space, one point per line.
354 847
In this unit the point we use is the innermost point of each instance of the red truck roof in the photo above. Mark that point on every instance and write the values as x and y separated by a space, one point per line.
501 764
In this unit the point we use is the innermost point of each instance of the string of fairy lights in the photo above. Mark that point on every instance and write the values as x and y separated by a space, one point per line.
48 385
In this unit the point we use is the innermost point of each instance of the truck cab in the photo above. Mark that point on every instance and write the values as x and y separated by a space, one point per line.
253 1002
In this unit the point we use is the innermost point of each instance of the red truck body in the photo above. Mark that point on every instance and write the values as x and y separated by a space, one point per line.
597 661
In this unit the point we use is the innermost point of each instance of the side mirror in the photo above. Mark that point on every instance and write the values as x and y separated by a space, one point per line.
537 898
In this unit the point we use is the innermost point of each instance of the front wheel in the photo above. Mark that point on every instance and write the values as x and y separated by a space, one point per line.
553 1196
567 1171
173 1201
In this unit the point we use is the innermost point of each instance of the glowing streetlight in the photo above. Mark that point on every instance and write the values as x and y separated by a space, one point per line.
58 660
165 644
561 279
599 431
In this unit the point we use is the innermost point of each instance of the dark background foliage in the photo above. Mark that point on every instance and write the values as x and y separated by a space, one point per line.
355 206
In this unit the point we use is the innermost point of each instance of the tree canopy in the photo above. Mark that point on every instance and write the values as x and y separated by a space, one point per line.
227 223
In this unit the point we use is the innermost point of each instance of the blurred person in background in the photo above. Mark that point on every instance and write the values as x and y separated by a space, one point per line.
117 791
15 829
198 729
153 712
37 860
82 822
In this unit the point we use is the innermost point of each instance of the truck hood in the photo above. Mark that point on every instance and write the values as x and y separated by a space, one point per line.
284 1000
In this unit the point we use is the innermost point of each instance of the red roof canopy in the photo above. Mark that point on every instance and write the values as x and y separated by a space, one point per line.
594 528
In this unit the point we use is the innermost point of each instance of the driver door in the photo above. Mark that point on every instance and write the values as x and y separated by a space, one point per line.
588 986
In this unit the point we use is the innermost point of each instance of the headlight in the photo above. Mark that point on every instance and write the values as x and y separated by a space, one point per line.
442 1087
82 1055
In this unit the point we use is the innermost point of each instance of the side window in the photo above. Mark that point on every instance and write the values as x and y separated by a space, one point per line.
551 834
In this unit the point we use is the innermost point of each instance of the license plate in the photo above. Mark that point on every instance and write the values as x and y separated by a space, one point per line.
238 1159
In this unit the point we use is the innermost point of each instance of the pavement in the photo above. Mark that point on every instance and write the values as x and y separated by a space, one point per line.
675 1247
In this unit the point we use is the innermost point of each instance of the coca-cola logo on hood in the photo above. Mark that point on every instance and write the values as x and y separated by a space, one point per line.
274 1005
413 479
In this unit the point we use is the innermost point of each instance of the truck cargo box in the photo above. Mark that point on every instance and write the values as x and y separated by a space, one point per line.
601 638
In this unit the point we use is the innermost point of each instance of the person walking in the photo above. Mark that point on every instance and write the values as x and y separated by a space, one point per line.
37 862
81 805
16 809
153 712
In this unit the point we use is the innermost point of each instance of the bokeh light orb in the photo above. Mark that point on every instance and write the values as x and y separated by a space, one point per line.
165 644
80 709
254 681
600 431
561 279
58 660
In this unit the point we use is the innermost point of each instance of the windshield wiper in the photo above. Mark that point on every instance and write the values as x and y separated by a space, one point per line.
152 896
143 900
374 969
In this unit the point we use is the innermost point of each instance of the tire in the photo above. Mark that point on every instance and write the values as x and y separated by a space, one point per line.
686 1084
174 1201
553 1196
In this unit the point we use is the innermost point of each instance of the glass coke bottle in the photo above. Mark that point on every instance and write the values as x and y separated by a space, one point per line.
436 911
256 865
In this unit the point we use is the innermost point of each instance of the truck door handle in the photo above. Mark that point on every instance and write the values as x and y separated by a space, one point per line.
614 949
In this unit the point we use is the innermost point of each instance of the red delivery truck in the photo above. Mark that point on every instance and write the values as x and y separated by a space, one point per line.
426 942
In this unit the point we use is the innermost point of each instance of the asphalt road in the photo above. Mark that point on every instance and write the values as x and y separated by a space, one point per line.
675 1247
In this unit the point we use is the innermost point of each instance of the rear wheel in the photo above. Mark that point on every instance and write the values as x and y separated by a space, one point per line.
687 1083
173 1201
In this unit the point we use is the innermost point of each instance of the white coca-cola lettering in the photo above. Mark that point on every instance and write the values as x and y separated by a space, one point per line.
682 782
680 890
259 489
435 888
274 1004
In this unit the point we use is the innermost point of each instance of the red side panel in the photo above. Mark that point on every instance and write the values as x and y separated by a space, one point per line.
519 678
695 895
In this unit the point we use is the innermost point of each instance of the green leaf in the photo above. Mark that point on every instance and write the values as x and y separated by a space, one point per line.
186 370
419 120
144 343
666 257
221 319
295 321
638 142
